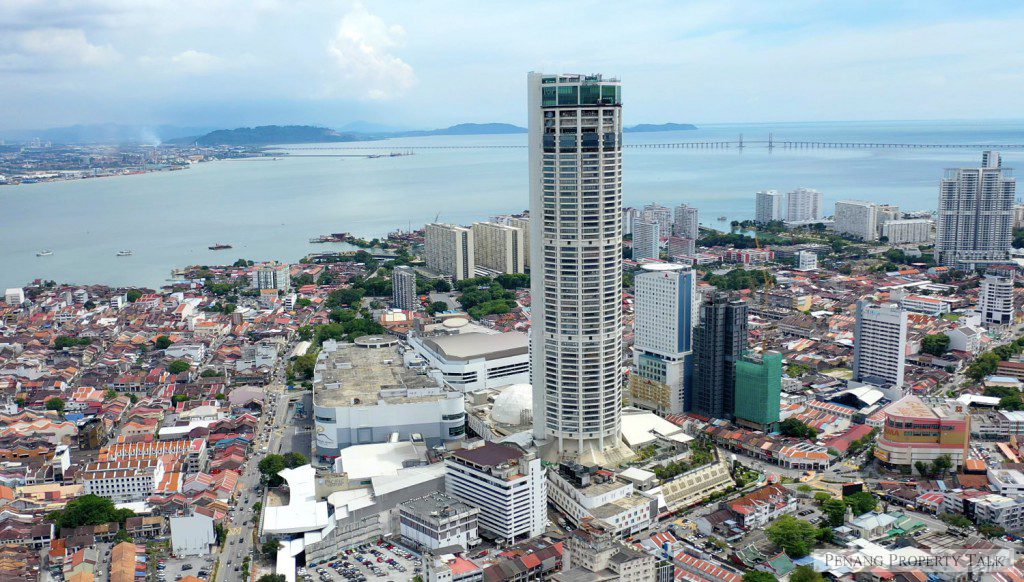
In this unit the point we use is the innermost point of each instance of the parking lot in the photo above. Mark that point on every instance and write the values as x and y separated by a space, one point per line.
370 561
171 569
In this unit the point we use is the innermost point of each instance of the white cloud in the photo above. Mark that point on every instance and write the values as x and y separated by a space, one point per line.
49 49
196 62
362 53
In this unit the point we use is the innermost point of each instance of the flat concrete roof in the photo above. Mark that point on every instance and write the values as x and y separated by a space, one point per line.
473 345
354 376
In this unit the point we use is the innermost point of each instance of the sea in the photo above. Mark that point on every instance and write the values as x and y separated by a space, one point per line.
269 209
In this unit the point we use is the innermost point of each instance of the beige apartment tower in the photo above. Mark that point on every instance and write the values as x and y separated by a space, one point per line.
450 251
499 248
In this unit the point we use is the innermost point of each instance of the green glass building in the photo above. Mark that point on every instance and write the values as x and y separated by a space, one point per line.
758 390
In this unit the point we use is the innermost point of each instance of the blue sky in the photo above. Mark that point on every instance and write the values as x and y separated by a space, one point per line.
228 63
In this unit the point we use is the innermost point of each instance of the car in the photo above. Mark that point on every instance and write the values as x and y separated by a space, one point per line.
186 566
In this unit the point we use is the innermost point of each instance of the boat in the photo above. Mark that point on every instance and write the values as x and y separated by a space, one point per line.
219 247
45 253
124 253
723 218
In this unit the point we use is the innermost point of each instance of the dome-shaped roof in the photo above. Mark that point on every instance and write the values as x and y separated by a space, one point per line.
510 405
455 322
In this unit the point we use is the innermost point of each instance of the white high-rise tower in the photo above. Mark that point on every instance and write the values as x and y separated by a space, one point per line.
576 257
975 222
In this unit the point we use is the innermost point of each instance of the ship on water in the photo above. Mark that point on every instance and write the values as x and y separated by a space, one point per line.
44 253
219 247
125 253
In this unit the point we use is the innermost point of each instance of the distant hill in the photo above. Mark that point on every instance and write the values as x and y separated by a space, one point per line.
272 134
650 127
464 129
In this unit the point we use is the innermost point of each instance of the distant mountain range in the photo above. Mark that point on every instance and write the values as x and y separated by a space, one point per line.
269 134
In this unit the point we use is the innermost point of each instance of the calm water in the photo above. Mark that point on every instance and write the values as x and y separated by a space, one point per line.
270 209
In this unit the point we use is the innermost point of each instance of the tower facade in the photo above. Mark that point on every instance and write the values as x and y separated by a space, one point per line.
663 333
880 345
720 340
403 288
769 205
975 221
575 151
687 222
646 240
450 250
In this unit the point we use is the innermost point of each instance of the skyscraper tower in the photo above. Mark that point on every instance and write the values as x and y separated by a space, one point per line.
719 341
975 221
662 332
576 257
403 288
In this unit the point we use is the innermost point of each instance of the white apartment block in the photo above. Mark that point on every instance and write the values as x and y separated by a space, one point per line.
125 481
806 261
769 205
996 300
450 250
575 161
681 247
580 493
856 218
14 296
975 218
437 521
272 276
803 205
403 288
646 240
880 344
925 304
629 217
886 212
523 224
499 248
911 230
507 484
658 213
687 222
662 348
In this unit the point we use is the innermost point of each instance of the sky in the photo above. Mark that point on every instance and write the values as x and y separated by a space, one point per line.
426 63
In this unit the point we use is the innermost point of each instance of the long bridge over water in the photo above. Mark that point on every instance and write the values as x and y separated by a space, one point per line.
771 143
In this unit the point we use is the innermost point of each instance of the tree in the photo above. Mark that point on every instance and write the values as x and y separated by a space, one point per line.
122 535
269 548
442 286
436 307
210 373
133 295
835 510
272 578
935 344
88 510
64 341
942 464
955 520
805 574
111 393
163 342
292 460
793 427
271 465
345 297
793 535
178 366
303 366
179 398
759 576
861 502
56 404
